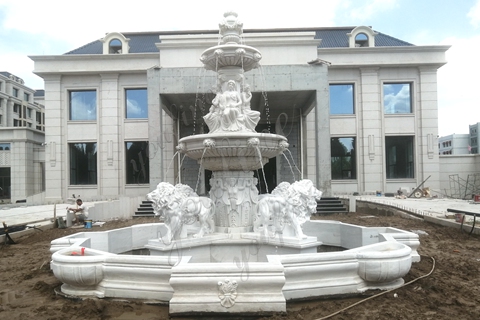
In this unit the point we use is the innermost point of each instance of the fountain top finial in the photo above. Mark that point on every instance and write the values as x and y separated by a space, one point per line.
230 28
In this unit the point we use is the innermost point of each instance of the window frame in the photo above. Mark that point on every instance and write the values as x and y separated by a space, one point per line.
72 112
77 177
411 97
353 102
334 156
391 156
115 48
137 174
126 104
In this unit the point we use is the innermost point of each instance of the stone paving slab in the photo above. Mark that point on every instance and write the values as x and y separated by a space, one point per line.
436 207
37 215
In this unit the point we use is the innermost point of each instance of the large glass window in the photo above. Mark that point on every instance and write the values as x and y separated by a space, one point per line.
397 98
136 103
341 99
343 157
83 105
399 157
137 165
83 163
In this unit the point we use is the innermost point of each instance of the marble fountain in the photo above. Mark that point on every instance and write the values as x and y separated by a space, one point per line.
234 252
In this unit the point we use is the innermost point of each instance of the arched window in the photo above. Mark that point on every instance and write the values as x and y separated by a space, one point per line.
361 40
115 46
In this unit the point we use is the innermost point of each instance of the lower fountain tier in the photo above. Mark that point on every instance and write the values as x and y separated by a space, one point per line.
236 151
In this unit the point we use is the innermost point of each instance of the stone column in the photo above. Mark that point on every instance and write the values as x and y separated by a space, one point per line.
370 134
427 115
322 138
108 147
56 166
155 127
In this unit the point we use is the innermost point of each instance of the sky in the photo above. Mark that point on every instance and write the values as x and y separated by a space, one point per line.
53 27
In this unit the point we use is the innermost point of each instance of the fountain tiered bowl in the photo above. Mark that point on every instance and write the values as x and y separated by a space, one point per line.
233 151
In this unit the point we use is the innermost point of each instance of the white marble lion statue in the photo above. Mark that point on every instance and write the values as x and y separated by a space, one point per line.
287 207
179 206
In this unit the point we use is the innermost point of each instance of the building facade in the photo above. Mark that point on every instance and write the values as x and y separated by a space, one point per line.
22 134
474 131
358 107
454 144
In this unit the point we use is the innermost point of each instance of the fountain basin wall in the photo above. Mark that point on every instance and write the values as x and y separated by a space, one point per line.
349 236
375 258
377 266
101 274
198 287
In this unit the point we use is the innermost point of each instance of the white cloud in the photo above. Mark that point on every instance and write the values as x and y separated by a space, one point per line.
365 10
474 15
458 86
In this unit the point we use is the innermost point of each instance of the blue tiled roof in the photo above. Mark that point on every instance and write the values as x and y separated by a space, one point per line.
144 42
337 38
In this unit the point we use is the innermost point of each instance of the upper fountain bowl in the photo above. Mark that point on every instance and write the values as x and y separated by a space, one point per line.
234 151
231 55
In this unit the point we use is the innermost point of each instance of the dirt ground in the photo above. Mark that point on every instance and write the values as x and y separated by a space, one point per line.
27 285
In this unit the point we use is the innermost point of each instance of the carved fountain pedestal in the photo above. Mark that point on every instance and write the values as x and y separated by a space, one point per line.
232 156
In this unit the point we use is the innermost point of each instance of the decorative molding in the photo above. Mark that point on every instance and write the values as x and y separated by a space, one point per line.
110 152
53 154
371 146
430 145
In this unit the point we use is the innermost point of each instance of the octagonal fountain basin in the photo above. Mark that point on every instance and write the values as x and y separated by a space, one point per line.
244 151
255 275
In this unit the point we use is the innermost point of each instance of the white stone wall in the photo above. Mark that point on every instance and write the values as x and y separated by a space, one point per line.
458 168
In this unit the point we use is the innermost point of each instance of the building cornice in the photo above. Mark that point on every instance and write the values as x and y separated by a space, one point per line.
93 63
82 57
413 56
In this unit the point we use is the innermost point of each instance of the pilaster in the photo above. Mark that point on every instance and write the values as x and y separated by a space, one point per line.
370 133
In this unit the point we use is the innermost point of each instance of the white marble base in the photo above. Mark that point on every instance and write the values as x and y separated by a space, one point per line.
267 272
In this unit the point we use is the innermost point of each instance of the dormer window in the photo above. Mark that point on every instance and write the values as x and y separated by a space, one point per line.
115 43
115 46
361 37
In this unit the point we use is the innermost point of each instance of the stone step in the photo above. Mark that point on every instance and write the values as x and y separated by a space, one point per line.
145 209
330 205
